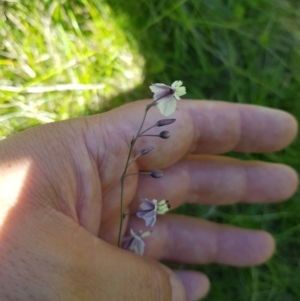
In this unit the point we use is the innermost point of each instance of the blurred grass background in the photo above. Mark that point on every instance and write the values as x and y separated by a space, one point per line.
62 58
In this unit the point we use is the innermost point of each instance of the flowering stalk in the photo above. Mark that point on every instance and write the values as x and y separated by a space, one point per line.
165 98
132 143
125 170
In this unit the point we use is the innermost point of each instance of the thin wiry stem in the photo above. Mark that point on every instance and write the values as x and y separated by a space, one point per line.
139 133
151 127
149 135
139 173
125 170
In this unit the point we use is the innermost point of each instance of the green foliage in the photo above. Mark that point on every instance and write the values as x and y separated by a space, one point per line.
48 44
239 51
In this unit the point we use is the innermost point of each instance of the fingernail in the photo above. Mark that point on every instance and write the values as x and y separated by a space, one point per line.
178 292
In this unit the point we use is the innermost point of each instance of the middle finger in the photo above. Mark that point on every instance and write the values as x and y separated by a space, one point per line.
217 180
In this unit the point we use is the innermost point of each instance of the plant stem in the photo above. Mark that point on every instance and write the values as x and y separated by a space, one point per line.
125 170
153 126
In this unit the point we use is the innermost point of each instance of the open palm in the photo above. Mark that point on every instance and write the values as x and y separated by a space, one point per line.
69 197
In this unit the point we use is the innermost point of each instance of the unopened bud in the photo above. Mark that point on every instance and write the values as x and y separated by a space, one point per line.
156 174
147 150
164 134
164 122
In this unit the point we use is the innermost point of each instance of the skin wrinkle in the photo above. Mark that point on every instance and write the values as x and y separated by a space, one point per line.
209 249
244 124
86 198
158 282
186 128
196 131
210 181
113 138
245 185
186 180
219 247
85 194
52 191
18 280
248 177
239 130
209 117
212 246
168 240
66 205
30 148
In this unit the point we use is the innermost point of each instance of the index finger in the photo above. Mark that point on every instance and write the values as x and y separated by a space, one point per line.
221 127
201 127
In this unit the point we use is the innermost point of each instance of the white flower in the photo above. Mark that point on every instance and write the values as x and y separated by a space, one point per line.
135 242
166 96
149 210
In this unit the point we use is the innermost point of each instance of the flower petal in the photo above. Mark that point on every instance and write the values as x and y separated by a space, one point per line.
167 106
176 96
158 87
161 90
149 217
139 247
180 91
149 214
126 242
177 84
135 242
148 205
141 214
150 222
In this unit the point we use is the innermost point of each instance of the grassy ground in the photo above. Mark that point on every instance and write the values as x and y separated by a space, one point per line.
239 51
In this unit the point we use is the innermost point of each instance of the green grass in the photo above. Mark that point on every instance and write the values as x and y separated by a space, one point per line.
64 44
239 51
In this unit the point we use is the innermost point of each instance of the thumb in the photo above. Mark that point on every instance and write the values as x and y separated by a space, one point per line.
111 273
128 276
46 253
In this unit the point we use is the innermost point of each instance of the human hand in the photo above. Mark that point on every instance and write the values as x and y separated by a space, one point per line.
60 201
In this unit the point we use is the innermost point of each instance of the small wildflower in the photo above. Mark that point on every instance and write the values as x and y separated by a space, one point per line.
166 96
143 152
135 242
149 210
164 122
164 134
147 150
156 174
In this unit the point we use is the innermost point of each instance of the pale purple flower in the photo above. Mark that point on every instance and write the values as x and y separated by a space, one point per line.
135 242
166 96
149 210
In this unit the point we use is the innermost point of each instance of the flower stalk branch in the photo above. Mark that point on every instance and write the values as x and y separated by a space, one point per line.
165 98
125 170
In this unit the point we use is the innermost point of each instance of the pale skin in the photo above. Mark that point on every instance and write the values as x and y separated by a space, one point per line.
60 201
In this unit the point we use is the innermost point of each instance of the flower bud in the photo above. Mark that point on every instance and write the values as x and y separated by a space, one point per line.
164 122
147 150
164 134
156 174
